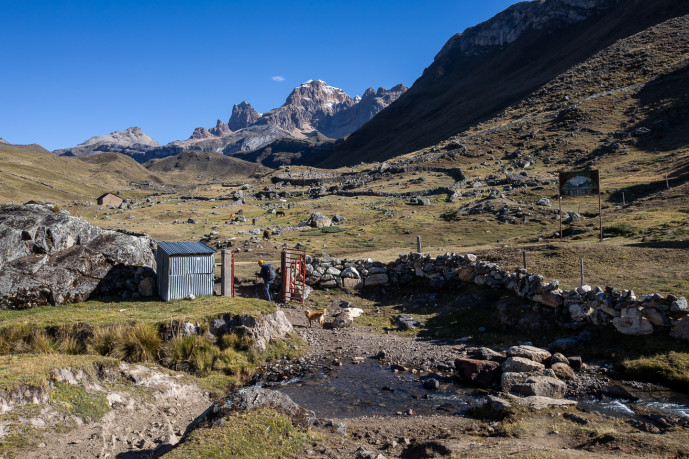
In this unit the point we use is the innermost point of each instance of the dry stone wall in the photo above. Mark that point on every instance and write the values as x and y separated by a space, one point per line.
629 314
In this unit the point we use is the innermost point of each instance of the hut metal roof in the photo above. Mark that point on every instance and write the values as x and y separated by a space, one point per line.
185 248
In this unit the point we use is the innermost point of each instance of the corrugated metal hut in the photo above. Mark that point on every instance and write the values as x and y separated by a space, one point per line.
184 268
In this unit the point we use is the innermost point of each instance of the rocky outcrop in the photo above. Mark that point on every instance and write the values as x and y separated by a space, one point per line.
255 398
48 257
262 330
306 106
369 105
131 142
243 116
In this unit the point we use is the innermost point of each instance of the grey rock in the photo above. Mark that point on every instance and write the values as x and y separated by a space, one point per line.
558 358
563 371
48 258
318 220
376 280
407 322
256 398
510 379
679 305
529 352
681 330
420 201
633 325
542 386
521 365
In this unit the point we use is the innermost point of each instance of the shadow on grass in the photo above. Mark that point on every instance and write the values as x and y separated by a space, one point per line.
662 245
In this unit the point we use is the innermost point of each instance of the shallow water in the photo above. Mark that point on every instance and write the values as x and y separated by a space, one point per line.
358 390
657 402
368 388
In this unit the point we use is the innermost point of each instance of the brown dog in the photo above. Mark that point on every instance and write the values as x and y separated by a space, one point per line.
316 315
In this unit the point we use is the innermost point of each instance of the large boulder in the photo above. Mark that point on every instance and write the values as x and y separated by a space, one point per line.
485 373
529 352
318 220
262 330
255 398
543 386
521 365
48 257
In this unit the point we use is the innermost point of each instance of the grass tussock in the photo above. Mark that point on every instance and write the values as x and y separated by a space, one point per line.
252 434
140 343
671 369
106 340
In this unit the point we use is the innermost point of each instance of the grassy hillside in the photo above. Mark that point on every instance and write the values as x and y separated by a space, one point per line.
28 173
459 90
190 166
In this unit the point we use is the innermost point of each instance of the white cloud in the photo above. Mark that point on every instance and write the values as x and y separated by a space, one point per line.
278 78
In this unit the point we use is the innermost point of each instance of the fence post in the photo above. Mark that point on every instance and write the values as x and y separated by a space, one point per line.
581 267
226 273
524 258
418 244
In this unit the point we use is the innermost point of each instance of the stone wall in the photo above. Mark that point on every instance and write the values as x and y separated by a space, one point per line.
628 313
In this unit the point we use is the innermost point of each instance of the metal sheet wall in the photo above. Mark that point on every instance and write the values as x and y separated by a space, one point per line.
181 276
191 264
189 284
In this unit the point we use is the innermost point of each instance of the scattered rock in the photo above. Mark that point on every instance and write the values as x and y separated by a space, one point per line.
576 418
529 352
563 371
477 372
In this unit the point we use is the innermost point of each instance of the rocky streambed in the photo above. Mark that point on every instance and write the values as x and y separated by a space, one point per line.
355 377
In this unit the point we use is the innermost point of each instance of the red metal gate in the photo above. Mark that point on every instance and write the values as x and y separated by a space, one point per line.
293 271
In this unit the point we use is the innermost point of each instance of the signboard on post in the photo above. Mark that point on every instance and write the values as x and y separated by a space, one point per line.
579 183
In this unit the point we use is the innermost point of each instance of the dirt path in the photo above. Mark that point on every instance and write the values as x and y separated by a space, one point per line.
144 421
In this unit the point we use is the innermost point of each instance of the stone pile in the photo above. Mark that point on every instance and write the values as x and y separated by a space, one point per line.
523 370
628 313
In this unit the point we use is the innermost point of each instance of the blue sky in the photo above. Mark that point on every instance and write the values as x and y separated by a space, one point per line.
72 69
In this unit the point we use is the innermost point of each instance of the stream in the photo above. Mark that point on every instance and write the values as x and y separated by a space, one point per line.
368 389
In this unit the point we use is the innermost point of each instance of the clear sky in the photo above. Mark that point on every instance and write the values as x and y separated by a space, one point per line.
73 69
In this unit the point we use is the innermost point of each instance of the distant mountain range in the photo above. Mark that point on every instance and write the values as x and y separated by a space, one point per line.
312 109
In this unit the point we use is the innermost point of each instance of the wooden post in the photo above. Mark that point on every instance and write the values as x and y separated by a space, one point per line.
600 216
226 273
524 258
559 200
581 267
418 244
667 182
624 202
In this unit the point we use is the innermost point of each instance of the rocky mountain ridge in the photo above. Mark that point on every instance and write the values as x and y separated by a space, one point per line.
131 141
311 108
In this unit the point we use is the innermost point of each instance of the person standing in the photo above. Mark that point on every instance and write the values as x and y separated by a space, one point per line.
267 273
